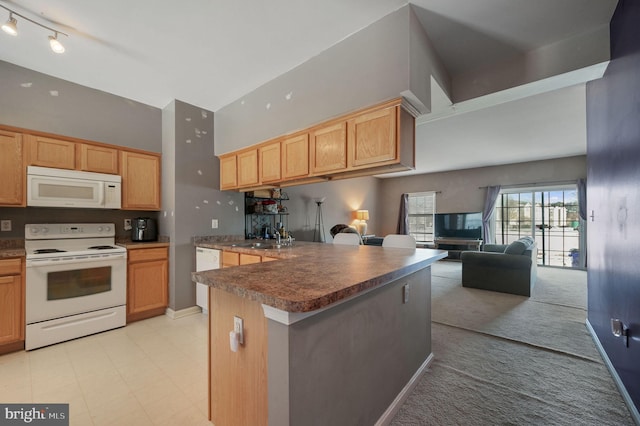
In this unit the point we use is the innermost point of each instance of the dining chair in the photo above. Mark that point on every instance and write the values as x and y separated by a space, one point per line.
347 238
399 240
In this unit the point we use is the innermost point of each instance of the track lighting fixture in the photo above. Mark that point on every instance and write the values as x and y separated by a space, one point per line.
11 28
56 46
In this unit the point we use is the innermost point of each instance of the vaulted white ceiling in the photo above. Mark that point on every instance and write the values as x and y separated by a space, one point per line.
211 52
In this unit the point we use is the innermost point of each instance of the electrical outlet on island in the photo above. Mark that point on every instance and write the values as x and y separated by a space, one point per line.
5 225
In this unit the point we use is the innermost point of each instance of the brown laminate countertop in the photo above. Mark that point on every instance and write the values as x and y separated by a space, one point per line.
142 245
12 247
311 276
132 245
6 253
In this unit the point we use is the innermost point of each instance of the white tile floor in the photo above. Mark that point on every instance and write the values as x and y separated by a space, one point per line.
151 372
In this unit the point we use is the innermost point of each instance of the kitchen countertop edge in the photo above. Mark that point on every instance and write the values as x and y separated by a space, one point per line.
131 245
312 267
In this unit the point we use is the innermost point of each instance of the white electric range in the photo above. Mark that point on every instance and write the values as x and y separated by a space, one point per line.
76 281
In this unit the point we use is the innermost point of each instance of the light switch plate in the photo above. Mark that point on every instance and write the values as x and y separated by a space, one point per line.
214 223
238 328
5 225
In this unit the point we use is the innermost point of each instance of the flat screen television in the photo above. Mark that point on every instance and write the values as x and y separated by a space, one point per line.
459 225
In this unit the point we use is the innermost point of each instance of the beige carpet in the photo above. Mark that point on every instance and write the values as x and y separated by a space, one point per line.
553 317
506 359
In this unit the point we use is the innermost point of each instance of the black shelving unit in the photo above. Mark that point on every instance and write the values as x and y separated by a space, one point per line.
256 219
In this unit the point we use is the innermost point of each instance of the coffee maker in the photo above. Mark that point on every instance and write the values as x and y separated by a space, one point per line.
144 229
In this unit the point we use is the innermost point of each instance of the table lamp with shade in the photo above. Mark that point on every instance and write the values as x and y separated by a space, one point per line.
362 216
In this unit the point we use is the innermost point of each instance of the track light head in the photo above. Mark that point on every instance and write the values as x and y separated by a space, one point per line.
56 46
11 26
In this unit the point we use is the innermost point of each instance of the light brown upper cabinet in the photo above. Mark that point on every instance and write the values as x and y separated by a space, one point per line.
20 148
328 152
374 140
12 172
140 181
295 156
49 152
98 159
270 170
228 172
67 154
372 137
248 168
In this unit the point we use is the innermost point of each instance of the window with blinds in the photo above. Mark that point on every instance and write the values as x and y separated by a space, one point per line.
422 208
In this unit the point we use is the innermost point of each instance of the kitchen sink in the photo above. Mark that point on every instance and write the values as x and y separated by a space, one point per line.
259 245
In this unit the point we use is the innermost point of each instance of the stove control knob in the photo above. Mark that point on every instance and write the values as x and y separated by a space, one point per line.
99 228
107 228
45 230
34 230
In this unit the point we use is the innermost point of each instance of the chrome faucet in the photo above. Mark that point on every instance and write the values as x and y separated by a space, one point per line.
278 237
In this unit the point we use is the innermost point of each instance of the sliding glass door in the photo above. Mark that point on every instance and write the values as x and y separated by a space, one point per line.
550 215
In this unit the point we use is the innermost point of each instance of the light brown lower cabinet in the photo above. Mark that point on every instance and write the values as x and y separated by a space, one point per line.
147 282
238 395
12 308
230 258
247 259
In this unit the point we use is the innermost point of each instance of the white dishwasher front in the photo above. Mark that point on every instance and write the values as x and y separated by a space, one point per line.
206 259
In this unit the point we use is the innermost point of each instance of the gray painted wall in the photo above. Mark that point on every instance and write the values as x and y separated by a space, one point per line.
464 190
345 365
371 66
76 110
424 63
79 112
191 198
343 197
460 191
568 55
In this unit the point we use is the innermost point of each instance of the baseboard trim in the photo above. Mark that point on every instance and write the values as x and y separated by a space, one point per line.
635 414
183 312
393 409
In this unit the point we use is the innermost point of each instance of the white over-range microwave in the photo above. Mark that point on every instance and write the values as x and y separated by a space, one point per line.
48 187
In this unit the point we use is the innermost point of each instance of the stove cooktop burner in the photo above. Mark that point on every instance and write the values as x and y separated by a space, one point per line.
101 247
52 250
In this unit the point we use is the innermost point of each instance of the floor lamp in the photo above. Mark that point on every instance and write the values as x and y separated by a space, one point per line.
318 233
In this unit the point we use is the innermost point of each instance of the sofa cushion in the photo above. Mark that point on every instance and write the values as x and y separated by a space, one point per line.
519 246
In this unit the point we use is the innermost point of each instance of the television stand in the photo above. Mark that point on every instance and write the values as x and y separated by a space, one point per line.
457 245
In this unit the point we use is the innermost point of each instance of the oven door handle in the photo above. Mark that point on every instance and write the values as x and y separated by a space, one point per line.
75 259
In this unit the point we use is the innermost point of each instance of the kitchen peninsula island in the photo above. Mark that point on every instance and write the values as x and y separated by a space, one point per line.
333 334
